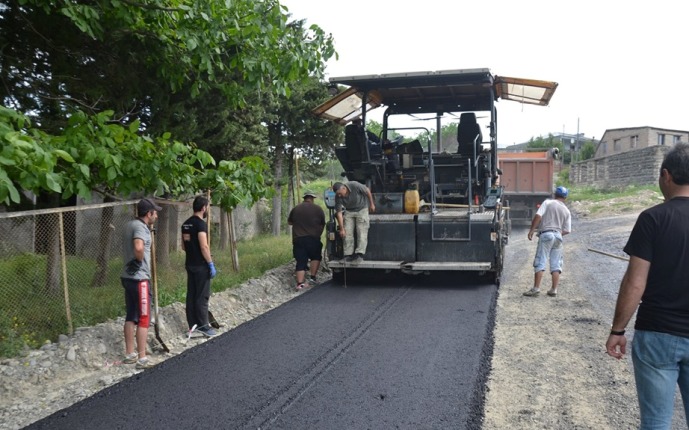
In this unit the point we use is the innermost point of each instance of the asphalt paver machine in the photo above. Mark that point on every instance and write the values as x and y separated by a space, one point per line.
439 204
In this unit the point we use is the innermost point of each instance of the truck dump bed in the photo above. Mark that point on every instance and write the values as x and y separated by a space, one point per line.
527 179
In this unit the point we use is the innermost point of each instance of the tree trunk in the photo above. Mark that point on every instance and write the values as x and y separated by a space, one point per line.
224 233
163 238
105 237
47 240
277 198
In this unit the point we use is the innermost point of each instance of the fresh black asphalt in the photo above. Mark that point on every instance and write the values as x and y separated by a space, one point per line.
411 354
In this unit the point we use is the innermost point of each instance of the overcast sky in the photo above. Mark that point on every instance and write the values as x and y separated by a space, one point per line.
618 63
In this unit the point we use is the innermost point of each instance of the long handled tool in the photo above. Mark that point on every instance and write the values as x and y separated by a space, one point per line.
154 275
211 318
609 255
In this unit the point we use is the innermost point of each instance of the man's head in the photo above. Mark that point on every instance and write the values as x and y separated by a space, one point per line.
309 196
561 192
200 204
147 210
674 171
340 189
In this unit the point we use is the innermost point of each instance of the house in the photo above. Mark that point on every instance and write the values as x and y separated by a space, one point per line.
618 140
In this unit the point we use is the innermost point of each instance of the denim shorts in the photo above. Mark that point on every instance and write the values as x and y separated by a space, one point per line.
549 248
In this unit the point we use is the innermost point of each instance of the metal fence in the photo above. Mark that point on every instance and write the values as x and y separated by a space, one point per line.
60 268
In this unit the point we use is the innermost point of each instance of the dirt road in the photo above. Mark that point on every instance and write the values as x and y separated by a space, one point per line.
550 370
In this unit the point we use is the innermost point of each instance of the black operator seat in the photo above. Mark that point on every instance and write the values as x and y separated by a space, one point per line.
355 139
467 132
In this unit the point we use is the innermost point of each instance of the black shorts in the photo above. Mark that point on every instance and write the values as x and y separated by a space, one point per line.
306 248
137 299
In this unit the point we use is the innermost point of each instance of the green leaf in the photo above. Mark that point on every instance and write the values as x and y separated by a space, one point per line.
64 155
7 161
112 173
52 184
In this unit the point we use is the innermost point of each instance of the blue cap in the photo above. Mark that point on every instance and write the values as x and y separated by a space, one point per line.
561 192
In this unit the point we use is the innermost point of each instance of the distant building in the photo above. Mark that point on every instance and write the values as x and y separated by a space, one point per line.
619 140
570 142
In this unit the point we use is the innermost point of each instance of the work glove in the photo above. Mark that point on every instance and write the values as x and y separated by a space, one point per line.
211 268
132 267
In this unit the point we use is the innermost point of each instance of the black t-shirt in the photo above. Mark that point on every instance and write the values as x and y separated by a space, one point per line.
190 235
308 219
661 236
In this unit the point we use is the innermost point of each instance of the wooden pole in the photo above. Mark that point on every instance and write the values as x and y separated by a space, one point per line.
70 325
609 255
233 241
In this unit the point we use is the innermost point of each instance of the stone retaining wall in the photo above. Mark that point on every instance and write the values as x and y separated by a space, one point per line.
635 167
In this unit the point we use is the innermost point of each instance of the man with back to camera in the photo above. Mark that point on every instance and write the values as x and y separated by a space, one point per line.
355 200
308 221
136 280
553 221
656 283
200 267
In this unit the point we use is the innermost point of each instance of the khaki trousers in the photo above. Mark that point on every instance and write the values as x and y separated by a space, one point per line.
356 226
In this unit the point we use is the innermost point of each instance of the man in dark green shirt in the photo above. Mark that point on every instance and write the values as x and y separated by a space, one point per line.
355 201
308 221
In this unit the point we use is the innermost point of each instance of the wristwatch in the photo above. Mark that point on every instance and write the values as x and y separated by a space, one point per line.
617 333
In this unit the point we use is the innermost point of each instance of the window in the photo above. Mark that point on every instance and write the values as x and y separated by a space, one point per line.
616 145
604 145
634 141
676 139
661 139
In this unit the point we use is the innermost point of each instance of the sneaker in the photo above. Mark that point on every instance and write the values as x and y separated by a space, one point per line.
357 258
532 292
349 258
300 286
131 358
144 363
552 293
207 331
313 280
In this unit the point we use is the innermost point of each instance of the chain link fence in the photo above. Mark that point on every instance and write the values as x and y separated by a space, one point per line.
60 268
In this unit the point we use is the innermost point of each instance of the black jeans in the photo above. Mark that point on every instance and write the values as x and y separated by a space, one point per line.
198 294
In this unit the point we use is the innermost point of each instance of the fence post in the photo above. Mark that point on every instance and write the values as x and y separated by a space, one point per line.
63 259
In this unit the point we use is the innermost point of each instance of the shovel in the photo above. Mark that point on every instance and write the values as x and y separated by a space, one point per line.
156 315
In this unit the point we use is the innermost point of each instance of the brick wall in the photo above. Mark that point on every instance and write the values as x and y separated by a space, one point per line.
637 167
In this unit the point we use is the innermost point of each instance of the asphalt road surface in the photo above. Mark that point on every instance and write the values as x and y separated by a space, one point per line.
408 354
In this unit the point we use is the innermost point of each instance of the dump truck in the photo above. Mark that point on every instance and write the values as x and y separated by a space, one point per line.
527 180
437 208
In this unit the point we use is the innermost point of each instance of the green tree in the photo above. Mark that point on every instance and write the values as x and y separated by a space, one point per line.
293 129
588 151
448 137
125 56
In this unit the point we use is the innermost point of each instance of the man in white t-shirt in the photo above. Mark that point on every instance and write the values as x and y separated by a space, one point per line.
553 220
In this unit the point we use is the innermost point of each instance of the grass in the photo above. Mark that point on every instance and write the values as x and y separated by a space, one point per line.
30 314
599 194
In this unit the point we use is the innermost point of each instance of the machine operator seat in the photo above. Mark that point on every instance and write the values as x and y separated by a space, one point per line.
355 139
467 132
